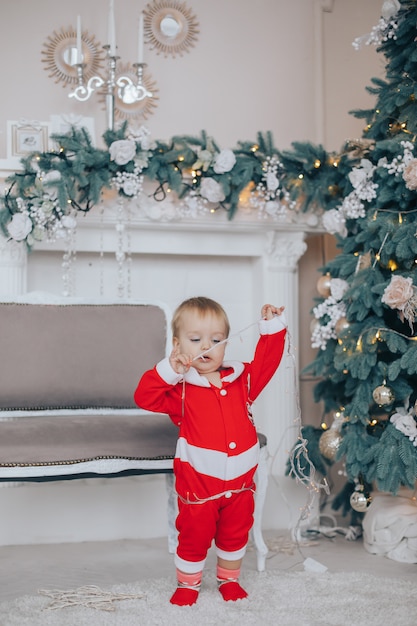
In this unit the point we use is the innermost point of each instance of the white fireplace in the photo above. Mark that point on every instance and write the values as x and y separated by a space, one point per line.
243 263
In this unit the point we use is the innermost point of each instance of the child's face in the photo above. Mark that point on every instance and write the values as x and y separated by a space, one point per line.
199 332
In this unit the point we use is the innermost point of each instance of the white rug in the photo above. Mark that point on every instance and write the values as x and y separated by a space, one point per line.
275 598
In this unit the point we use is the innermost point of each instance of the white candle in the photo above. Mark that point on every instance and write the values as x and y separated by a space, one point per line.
112 30
140 39
79 45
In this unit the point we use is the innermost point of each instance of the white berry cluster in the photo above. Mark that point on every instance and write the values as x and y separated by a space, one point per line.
269 198
321 333
401 161
383 31
130 183
332 309
353 207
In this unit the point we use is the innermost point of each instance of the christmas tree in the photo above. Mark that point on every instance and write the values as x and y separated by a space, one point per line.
365 318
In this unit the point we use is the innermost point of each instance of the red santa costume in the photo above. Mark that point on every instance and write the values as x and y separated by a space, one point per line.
217 450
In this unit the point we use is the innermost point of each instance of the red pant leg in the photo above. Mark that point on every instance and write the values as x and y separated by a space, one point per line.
235 522
226 520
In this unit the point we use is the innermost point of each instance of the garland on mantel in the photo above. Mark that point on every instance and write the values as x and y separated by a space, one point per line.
43 200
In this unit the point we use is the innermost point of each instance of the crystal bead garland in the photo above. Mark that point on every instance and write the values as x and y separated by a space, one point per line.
68 261
123 252
101 268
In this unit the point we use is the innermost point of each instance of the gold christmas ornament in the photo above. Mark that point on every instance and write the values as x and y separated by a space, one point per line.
329 443
323 285
341 326
359 501
383 395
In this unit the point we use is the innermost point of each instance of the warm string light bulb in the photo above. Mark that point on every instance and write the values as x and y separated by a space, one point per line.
392 265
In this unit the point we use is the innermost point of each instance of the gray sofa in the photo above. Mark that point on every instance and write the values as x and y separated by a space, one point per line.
69 369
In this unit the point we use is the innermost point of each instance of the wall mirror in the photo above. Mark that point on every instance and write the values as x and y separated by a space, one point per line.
125 105
59 53
170 28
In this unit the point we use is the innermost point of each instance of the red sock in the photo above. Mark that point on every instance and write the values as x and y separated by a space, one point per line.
186 593
227 580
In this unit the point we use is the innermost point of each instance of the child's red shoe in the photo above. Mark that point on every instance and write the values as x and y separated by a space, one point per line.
232 591
184 597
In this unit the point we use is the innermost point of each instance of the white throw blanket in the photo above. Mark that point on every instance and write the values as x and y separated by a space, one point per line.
390 527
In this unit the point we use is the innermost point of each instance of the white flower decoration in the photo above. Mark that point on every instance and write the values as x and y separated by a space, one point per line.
405 423
357 177
338 288
398 292
401 294
20 226
211 190
204 160
390 9
410 175
130 187
51 177
69 222
334 222
224 161
122 151
142 136
272 182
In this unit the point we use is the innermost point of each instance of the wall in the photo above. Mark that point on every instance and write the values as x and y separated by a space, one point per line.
288 67
347 72
234 82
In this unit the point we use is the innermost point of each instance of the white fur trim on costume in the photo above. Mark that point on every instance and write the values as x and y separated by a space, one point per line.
167 373
217 464
270 327
231 556
237 367
189 567
194 378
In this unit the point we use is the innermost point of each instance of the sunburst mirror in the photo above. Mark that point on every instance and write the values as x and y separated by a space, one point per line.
60 53
170 27
129 109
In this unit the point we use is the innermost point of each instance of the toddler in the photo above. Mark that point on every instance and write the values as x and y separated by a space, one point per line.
216 457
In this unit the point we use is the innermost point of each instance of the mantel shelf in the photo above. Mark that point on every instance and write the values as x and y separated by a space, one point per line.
144 221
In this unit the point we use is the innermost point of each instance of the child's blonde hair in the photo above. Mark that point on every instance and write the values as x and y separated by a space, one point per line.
202 305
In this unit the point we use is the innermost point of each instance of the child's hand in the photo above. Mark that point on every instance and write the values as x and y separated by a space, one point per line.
269 310
180 363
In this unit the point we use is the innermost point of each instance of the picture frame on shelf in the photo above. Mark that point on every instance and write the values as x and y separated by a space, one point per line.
26 136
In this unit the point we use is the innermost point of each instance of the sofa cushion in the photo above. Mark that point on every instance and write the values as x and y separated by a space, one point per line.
104 444
77 355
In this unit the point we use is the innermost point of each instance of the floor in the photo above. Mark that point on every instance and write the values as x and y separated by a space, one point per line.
67 566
